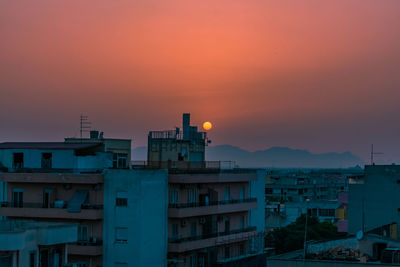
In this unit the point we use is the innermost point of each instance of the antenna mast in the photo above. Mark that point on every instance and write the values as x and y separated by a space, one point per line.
85 125
374 153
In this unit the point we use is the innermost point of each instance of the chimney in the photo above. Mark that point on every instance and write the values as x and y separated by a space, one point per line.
186 126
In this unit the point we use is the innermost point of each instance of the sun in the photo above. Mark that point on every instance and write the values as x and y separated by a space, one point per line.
207 125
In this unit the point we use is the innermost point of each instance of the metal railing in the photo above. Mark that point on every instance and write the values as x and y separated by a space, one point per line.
211 203
184 165
211 235
90 242
43 206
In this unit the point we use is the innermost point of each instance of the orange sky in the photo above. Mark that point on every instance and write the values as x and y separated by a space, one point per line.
318 75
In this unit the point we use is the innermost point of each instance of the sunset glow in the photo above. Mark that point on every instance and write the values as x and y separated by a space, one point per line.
304 74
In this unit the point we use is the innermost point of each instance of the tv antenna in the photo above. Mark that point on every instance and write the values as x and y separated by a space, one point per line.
85 125
374 153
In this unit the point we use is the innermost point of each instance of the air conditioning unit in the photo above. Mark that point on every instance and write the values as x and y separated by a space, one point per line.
59 204
202 220
183 223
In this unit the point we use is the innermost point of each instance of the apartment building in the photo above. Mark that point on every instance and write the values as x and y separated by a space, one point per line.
88 182
323 193
215 215
373 201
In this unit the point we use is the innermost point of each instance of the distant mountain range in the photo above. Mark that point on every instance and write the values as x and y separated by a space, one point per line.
276 157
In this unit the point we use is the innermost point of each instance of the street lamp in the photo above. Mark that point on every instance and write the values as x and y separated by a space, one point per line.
305 232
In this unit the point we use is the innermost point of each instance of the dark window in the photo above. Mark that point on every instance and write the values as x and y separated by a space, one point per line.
47 198
18 198
120 160
121 202
241 249
32 259
193 229
18 161
47 160
227 252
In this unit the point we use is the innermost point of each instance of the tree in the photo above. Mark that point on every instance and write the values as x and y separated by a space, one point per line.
291 237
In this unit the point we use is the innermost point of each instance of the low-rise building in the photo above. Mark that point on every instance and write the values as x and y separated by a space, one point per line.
31 244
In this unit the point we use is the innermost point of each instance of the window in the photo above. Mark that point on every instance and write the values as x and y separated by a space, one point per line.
268 191
47 160
47 198
227 193
241 197
327 212
32 259
83 233
193 229
18 197
242 222
121 234
192 195
227 252
193 260
173 196
18 160
121 264
120 160
175 232
122 199
241 249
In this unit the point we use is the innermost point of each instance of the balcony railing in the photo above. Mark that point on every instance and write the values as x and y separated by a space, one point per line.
211 235
90 242
185 165
42 206
211 203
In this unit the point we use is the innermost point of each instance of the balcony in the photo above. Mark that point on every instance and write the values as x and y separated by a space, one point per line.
86 248
214 207
179 245
37 210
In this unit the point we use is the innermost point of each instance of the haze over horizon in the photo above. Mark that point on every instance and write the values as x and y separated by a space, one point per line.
321 76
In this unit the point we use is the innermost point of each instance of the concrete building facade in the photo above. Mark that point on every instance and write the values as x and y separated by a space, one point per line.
215 215
70 182
373 201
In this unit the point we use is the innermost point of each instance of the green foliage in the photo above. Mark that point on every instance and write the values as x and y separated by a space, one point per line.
291 237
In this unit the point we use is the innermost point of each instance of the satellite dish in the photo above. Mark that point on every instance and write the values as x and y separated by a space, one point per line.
360 235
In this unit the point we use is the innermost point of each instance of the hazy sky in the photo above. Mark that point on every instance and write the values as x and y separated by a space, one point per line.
319 75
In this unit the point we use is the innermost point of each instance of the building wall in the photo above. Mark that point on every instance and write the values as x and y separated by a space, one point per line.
61 159
377 198
257 190
144 219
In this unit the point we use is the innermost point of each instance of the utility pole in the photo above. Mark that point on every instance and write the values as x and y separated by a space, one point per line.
374 153
305 234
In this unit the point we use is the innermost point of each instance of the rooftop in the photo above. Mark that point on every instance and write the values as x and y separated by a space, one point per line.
46 145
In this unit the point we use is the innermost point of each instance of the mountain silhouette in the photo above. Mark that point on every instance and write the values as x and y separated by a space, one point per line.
275 157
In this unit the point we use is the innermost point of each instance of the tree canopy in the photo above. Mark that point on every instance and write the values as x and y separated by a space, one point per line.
291 237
